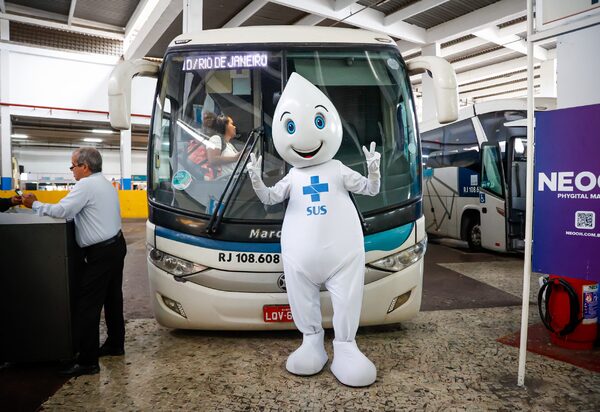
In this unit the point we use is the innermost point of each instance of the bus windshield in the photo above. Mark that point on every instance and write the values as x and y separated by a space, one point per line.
191 159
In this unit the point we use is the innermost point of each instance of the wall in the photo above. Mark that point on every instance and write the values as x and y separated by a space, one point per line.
55 162
53 78
578 60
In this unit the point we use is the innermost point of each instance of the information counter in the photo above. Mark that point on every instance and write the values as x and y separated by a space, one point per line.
38 258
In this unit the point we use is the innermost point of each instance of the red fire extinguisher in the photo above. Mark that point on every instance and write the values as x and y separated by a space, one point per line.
569 310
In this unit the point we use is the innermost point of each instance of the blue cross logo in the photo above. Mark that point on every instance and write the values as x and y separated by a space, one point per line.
315 188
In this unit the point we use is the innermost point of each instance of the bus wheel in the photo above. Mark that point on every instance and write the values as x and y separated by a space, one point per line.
474 236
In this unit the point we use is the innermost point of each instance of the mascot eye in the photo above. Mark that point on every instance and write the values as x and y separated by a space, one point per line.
319 121
290 127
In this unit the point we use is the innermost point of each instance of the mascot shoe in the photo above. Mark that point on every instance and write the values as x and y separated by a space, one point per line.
350 366
310 357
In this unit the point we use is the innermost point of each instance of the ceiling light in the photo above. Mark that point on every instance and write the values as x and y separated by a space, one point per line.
102 131
92 140
19 136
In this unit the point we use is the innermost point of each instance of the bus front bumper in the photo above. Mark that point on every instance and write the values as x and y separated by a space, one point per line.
211 309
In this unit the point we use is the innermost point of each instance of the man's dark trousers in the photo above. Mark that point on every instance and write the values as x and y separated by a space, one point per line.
100 284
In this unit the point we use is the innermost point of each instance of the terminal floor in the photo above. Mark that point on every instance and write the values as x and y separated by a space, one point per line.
448 357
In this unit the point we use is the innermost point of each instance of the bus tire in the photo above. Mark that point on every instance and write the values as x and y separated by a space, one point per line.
472 232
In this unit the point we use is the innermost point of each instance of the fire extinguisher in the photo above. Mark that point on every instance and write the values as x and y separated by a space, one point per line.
568 309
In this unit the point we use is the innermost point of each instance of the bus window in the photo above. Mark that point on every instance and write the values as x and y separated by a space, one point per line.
431 143
454 145
461 148
493 123
491 170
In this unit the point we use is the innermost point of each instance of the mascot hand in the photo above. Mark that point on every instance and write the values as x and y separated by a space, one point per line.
254 167
373 159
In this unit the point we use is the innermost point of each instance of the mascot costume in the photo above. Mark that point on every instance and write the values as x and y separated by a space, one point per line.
321 238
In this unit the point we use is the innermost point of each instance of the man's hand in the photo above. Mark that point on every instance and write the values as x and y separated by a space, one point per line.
28 199
16 200
373 159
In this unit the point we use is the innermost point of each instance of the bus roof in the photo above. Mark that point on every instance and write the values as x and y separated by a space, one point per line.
541 103
281 34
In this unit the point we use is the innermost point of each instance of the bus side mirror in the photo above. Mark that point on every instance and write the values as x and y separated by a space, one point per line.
119 89
444 82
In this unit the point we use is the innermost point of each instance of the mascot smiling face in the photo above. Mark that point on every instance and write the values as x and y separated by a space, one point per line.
307 129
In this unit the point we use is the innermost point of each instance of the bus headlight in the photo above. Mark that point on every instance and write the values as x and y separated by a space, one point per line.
174 265
403 259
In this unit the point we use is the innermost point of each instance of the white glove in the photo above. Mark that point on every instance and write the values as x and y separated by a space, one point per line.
373 159
254 168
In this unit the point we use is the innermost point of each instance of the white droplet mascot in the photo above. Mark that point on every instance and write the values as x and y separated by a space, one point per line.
321 237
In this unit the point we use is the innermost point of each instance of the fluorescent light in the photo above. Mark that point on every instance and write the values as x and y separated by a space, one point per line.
92 140
19 136
102 131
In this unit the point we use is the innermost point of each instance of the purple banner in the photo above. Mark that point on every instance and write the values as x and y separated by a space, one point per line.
566 225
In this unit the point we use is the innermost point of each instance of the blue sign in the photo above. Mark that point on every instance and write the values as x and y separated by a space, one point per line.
566 226
468 182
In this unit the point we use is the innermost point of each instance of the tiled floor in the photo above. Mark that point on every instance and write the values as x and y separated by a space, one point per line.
447 358
440 360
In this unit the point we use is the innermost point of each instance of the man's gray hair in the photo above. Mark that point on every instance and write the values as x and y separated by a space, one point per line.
90 157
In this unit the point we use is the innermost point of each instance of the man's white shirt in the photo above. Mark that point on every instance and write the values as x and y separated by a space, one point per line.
94 205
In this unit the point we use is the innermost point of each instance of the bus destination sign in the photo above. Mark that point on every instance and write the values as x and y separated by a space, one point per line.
225 61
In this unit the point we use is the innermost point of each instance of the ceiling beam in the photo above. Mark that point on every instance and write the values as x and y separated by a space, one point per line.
507 95
246 13
481 58
97 25
517 28
310 20
150 24
358 16
61 26
342 4
497 89
462 47
71 12
479 19
32 12
513 42
495 81
492 70
411 10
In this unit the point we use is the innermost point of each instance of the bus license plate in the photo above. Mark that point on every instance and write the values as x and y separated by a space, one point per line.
277 313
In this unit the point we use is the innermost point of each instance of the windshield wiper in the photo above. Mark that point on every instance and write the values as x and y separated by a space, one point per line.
221 206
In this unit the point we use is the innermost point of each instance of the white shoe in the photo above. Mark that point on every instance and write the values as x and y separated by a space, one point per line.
350 366
310 357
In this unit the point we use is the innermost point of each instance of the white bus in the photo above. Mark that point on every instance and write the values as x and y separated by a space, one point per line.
475 174
214 260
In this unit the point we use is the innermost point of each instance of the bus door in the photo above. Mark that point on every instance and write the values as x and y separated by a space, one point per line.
492 198
516 179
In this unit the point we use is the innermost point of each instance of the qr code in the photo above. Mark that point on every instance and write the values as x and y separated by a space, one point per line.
585 220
